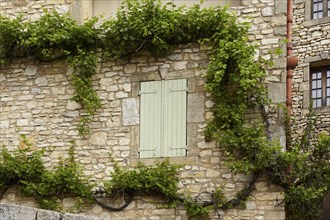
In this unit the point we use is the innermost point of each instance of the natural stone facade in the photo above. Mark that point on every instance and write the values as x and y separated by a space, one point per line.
311 44
36 99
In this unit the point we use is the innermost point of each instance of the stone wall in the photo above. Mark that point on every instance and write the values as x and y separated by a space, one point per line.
36 100
311 44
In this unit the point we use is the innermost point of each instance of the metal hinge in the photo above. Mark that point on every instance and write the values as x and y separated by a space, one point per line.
147 92
179 90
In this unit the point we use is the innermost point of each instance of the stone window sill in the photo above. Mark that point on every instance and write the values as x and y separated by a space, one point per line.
151 161
323 109
319 21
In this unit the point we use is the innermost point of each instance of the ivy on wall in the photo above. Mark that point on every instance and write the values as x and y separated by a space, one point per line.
234 79
26 169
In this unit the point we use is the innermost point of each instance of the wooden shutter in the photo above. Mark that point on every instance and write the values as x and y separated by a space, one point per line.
150 121
163 124
174 118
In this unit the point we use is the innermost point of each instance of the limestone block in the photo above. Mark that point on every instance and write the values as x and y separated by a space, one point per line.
271 79
261 186
4 124
71 114
195 107
139 59
41 81
269 196
48 215
205 153
129 68
267 12
124 141
250 205
62 9
279 215
127 87
99 138
226 176
230 185
277 92
113 122
113 88
249 10
279 21
163 70
280 7
72 105
114 104
194 188
209 104
267 41
212 173
106 81
25 97
306 99
204 145
280 31
22 122
69 216
241 177
121 95
13 212
2 77
35 91
130 111
180 65
175 57
68 202
30 70
280 62
149 69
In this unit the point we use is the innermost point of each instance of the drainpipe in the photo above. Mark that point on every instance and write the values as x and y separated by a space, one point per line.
292 61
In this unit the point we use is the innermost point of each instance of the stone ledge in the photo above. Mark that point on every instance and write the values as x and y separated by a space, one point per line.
151 161
17 212
310 23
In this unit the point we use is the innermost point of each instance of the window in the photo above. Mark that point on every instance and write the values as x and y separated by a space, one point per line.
320 86
320 8
163 106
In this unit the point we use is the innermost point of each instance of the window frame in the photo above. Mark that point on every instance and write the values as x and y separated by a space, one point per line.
324 85
325 10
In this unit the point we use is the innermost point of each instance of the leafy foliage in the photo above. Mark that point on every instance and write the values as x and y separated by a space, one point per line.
160 179
10 34
25 168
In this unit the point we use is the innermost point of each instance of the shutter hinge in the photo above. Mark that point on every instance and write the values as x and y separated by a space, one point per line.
147 92
178 90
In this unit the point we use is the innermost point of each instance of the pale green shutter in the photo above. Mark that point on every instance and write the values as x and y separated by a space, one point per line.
150 121
163 124
174 127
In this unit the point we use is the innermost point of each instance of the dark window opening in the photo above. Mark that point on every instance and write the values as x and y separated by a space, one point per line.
320 8
320 86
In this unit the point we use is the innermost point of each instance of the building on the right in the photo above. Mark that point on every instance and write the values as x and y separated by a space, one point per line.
311 80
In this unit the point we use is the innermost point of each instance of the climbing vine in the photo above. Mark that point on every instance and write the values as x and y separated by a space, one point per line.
234 80
26 169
